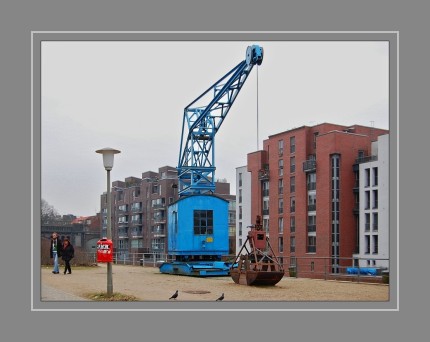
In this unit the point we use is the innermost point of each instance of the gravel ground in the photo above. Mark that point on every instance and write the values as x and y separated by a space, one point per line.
148 284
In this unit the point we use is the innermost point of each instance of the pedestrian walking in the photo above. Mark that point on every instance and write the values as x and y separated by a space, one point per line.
68 253
55 251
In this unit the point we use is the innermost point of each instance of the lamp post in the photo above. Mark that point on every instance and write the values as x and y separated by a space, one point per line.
108 154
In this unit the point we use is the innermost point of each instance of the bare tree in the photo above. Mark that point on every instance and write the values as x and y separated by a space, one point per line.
48 214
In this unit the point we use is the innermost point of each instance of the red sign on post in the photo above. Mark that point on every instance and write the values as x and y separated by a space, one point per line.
104 250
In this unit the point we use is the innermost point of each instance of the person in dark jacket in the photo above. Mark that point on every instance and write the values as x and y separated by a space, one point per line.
55 251
68 253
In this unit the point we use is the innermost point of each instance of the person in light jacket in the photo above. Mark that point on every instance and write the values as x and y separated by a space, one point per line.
68 253
55 251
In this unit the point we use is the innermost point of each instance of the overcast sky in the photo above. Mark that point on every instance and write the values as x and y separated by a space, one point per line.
130 96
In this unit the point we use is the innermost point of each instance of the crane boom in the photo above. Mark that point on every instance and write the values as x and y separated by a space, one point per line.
202 120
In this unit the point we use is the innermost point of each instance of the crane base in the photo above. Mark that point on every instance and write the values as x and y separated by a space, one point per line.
196 268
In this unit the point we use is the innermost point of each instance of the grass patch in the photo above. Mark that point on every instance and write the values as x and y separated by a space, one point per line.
116 297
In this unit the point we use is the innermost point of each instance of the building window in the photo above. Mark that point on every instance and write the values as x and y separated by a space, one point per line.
281 167
293 164
240 242
312 244
292 261
136 219
281 244
266 189
292 204
281 225
240 228
123 244
240 212
375 199
136 243
240 195
375 176
367 200
315 139
155 188
367 222
240 179
203 222
366 177
292 244
280 206
122 219
375 222
266 224
266 207
137 206
292 224
281 147
312 223
157 244
311 179
312 202
292 144
375 244
231 218
280 186
136 192
293 184
367 244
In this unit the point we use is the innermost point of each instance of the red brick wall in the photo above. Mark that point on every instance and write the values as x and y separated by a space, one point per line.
331 139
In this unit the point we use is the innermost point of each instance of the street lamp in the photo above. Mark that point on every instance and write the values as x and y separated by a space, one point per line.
108 154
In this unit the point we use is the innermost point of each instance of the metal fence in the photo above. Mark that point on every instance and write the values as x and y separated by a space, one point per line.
299 267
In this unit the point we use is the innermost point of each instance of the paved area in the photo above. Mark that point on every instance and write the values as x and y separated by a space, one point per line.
52 294
148 284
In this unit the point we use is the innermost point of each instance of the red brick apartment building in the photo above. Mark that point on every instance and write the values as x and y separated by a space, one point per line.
302 183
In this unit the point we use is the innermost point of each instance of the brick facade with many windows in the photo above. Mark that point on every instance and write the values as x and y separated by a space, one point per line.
309 209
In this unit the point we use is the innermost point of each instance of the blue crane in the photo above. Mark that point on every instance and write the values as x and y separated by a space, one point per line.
196 166
198 220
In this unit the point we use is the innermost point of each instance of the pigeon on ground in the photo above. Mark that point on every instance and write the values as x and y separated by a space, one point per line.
220 298
175 295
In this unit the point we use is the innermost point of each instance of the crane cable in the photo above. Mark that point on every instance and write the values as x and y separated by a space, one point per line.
257 113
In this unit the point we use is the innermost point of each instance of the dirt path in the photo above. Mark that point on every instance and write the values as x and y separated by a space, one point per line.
148 284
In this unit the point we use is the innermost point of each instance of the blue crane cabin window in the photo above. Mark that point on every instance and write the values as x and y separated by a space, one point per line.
203 222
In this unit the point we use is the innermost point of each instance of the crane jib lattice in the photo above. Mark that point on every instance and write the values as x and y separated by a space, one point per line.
202 120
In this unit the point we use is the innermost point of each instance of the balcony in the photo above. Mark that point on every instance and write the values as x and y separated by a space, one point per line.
312 228
366 159
263 174
309 165
312 186
122 234
136 234
312 207
159 207
159 219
